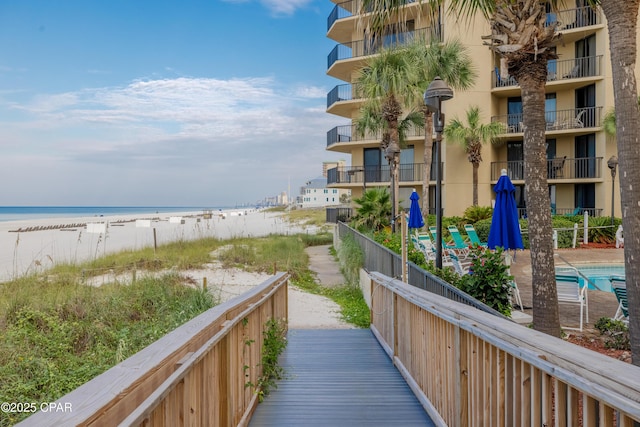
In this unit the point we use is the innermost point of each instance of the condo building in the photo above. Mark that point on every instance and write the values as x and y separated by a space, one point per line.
579 93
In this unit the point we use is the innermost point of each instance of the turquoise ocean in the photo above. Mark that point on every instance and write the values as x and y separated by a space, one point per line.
18 213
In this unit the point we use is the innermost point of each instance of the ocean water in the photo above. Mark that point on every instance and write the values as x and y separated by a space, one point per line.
18 213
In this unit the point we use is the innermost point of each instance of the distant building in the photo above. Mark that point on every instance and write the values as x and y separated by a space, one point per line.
332 165
316 194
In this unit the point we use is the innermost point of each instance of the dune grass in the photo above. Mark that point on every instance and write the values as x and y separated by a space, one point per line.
56 332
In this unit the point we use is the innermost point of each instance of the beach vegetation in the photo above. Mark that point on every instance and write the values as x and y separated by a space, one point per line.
351 259
57 331
353 308
308 217
57 334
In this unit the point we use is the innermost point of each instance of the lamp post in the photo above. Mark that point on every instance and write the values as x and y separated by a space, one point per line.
612 163
437 92
352 172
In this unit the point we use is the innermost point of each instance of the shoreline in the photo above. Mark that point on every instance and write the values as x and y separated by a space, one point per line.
35 245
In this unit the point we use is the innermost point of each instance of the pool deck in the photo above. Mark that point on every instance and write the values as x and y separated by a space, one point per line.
601 304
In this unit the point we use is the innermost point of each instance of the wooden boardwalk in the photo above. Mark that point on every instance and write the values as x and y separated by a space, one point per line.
339 377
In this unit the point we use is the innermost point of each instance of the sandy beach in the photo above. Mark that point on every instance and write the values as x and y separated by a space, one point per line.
35 245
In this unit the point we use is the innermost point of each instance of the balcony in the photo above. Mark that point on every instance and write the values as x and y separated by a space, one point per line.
338 26
566 73
340 137
575 23
339 67
558 121
338 100
358 175
559 169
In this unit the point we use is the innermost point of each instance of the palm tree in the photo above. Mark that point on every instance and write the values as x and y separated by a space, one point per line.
472 138
374 210
523 40
451 61
385 83
622 20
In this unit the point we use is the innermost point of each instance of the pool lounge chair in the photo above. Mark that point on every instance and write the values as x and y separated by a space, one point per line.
445 244
473 236
459 244
457 265
619 287
570 292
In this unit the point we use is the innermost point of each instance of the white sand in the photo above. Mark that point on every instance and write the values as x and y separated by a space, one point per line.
28 251
35 251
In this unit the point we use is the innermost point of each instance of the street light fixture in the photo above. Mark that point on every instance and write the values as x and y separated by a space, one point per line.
436 93
352 172
612 163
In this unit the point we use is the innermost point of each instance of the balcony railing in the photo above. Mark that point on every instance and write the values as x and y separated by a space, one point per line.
344 92
408 172
348 9
577 118
522 212
348 133
361 48
557 70
558 168
575 18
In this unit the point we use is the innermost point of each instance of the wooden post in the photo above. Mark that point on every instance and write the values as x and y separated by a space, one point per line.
403 227
204 283
155 241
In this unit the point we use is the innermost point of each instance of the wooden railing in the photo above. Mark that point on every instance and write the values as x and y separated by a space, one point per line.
469 368
195 375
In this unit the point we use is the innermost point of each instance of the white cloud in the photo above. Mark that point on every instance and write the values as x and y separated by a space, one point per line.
184 139
278 7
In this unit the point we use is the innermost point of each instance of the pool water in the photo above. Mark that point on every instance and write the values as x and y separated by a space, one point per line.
598 274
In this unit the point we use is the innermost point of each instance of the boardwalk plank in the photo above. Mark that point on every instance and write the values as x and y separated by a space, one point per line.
339 377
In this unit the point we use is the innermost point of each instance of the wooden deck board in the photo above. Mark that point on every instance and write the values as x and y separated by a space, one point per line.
339 377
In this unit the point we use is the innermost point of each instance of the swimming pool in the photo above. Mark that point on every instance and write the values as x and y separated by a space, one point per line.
598 274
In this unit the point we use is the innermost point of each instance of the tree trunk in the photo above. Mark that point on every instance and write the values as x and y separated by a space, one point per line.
545 299
427 158
476 166
622 20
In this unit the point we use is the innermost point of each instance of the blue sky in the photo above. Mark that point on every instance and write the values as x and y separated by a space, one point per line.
161 103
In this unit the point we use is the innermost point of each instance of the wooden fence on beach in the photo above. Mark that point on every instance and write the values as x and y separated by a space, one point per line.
196 375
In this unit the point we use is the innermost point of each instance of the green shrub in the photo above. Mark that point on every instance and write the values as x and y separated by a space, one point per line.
474 214
616 333
351 259
488 280
603 235
482 229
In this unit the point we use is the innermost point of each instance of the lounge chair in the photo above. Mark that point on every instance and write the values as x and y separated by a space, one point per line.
619 287
514 293
460 245
570 292
424 245
445 244
456 264
473 236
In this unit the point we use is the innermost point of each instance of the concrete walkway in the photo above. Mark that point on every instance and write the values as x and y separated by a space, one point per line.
324 266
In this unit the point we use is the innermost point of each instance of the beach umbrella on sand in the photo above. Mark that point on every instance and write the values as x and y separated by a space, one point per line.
415 215
505 229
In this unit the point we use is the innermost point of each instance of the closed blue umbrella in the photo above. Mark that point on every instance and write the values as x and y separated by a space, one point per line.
505 229
415 215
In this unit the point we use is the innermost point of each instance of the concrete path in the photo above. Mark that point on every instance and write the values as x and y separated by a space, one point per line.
324 265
